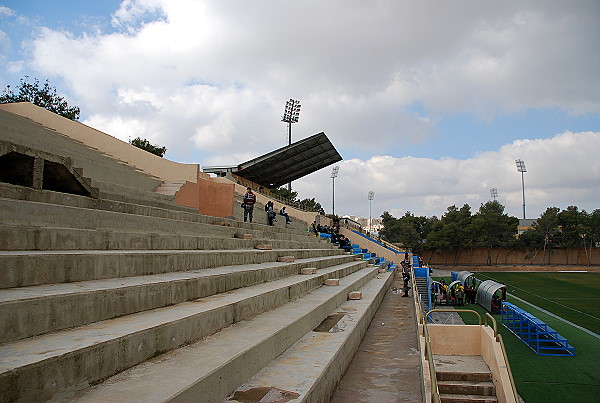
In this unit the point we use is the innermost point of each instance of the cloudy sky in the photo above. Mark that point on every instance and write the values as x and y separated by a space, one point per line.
428 102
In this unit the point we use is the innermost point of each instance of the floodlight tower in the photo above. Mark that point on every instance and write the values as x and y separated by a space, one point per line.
334 174
371 196
291 115
521 168
494 193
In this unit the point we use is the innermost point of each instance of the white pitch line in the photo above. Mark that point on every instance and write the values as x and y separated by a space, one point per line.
556 316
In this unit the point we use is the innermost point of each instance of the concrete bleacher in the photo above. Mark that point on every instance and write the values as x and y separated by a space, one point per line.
130 297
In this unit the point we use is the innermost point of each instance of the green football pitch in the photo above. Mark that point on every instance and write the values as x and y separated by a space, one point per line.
567 302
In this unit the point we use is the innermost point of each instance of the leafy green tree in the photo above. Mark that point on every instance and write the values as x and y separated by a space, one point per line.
546 229
571 222
284 194
409 230
145 145
493 228
311 205
452 232
44 96
592 234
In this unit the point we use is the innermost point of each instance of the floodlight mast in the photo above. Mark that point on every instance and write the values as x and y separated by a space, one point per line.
334 174
521 168
291 114
371 196
494 193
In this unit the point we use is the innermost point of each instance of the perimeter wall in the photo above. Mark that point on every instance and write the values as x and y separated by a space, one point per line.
503 256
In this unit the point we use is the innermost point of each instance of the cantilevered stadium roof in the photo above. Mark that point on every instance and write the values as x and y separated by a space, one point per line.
286 164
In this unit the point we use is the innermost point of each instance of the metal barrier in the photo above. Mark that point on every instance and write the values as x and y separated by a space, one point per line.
455 311
499 339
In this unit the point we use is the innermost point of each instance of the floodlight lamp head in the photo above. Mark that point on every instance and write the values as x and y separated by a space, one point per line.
334 171
371 195
521 166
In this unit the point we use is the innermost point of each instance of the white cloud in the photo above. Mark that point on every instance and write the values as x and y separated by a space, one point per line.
209 79
561 171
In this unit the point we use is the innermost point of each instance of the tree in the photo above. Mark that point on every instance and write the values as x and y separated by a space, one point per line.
547 228
493 228
284 194
452 232
145 145
43 96
311 205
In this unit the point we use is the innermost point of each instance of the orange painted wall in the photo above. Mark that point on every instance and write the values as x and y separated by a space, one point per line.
210 198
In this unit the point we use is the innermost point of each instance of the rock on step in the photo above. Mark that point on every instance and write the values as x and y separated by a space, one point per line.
354 295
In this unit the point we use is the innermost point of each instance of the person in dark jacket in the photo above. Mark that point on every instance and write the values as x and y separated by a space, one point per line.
248 204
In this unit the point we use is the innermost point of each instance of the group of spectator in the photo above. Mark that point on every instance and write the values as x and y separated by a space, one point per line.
458 295
248 205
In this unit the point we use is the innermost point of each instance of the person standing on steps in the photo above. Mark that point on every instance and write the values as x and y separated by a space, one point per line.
248 204
270 213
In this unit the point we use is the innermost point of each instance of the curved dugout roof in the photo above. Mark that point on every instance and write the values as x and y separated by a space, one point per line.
486 291
287 163
463 276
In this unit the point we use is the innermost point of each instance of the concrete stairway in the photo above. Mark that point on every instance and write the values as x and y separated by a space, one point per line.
422 289
115 179
464 379
105 300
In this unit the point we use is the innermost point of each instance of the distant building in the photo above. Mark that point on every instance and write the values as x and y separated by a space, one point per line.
524 225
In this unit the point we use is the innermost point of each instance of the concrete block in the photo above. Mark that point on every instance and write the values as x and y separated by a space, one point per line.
308 270
382 270
223 224
242 236
263 246
286 259
332 281
354 295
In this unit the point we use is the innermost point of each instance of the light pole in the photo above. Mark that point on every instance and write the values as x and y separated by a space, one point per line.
494 193
291 115
334 174
521 168
371 196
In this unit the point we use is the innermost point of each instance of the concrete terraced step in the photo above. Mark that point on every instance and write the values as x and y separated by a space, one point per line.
138 218
464 378
209 370
27 268
31 311
467 388
19 237
9 191
449 398
95 164
38 368
312 368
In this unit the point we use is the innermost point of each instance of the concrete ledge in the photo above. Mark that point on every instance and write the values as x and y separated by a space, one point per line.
312 368
31 311
21 269
63 361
